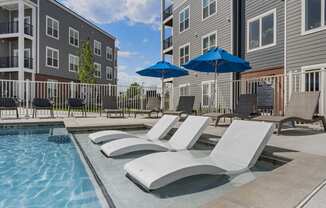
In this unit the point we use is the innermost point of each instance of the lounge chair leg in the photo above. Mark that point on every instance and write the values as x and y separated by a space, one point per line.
52 113
217 121
17 113
279 129
68 112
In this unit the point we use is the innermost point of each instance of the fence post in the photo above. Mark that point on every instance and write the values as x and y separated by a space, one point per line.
27 105
323 89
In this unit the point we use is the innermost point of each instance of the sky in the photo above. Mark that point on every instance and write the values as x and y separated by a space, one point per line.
135 24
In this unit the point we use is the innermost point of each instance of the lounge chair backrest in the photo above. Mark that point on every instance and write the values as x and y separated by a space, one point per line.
153 103
75 102
189 132
41 102
8 103
110 103
162 127
303 105
247 105
186 104
242 144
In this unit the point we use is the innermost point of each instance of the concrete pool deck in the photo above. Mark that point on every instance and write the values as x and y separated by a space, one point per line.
286 186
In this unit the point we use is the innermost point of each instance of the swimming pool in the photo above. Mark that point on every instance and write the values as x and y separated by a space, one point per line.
38 169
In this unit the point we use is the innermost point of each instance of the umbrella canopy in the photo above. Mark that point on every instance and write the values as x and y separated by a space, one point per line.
163 70
218 60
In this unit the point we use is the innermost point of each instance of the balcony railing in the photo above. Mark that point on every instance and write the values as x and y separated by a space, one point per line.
168 42
12 27
168 12
12 62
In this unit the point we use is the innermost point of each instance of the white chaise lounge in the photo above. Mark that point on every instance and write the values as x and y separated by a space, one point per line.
158 131
237 151
184 138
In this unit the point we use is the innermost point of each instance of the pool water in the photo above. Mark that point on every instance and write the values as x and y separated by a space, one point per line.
38 169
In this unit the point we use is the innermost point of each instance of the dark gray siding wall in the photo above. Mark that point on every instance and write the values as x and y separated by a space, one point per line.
302 50
85 31
273 56
220 23
4 15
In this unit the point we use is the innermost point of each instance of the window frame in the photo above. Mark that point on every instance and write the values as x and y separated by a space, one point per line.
46 29
209 83
46 55
303 19
202 10
74 56
181 11
208 36
100 44
260 18
182 86
106 73
181 47
106 53
100 66
73 30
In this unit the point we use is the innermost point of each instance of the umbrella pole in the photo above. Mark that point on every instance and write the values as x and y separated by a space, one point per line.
215 87
162 98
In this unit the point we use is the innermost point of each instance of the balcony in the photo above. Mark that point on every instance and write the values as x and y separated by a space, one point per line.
167 45
12 62
12 27
167 16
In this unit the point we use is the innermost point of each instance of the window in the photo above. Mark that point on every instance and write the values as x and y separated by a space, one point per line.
184 54
109 73
209 8
97 48
109 53
312 80
208 42
73 37
73 63
52 27
52 57
262 31
184 19
314 14
184 90
98 69
208 93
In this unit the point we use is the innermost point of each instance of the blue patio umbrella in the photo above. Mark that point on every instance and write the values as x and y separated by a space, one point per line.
217 60
163 70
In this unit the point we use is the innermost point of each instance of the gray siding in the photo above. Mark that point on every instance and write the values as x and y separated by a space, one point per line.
219 22
85 32
271 57
302 50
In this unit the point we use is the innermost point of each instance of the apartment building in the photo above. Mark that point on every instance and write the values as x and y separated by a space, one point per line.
280 38
189 29
41 40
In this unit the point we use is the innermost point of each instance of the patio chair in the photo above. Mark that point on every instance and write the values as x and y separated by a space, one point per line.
245 109
185 106
237 151
184 138
301 108
153 106
10 104
158 131
110 106
76 104
42 104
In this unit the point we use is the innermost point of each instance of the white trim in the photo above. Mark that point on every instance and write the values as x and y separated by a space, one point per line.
93 25
187 7
202 10
46 57
76 31
184 85
106 73
46 29
106 53
207 36
259 18
209 82
100 44
183 46
100 66
74 56
303 19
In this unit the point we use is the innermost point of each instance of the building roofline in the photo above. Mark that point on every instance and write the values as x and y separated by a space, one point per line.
81 18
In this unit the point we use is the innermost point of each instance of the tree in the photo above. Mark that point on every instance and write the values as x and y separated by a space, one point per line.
86 64
133 90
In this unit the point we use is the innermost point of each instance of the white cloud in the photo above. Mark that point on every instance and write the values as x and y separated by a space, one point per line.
125 79
127 54
108 11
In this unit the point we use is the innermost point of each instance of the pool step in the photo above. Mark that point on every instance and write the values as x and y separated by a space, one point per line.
59 135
